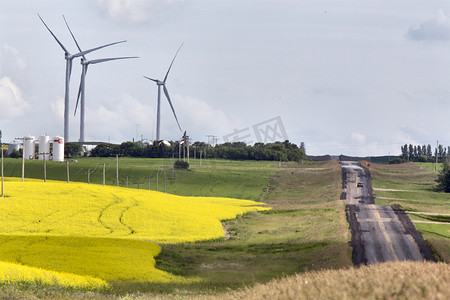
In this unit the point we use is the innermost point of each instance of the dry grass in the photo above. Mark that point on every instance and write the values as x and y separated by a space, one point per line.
399 280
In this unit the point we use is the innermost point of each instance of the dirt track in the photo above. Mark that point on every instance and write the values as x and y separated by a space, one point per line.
379 233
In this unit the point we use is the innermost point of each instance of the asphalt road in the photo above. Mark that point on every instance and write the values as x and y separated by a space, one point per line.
379 233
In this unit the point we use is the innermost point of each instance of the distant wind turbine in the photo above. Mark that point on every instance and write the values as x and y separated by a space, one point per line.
69 57
163 84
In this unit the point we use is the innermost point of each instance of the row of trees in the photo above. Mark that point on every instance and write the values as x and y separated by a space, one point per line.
424 153
284 151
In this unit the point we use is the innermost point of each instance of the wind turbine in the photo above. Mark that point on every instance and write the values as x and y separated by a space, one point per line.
163 84
85 63
84 67
69 57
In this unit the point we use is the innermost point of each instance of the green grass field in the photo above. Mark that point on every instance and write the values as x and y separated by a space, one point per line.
412 187
244 180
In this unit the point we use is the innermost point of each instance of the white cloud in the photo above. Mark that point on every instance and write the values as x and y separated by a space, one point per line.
57 107
11 101
436 29
199 116
358 138
10 60
119 119
136 11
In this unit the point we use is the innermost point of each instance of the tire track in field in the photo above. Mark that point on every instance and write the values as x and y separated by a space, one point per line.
109 225
99 218
132 231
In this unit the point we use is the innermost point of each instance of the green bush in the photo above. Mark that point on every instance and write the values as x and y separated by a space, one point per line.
179 164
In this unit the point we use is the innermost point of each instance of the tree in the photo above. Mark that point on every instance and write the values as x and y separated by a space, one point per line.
443 180
72 149
429 153
105 150
404 155
302 147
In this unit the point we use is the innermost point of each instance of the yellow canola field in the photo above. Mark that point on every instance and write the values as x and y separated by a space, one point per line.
14 273
77 209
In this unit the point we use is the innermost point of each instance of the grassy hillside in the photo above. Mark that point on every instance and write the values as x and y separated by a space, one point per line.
412 187
399 280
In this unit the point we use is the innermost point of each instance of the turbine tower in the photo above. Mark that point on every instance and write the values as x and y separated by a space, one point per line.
69 58
163 84
85 63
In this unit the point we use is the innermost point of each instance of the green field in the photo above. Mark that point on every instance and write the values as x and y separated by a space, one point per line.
412 186
236 179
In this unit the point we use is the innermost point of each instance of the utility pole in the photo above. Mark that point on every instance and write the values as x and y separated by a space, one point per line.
68 171
103 174
200 158
164 179
157 180
172 165
117 169
127 182
89 174
45 168
23 159
1 146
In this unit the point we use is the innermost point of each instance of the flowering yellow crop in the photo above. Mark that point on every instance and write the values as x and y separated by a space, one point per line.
13 273
101 232
78 209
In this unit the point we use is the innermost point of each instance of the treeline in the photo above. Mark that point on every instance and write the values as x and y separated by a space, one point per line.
424 153
284 151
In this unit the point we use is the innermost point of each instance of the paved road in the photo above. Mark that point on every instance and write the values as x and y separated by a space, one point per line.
379 233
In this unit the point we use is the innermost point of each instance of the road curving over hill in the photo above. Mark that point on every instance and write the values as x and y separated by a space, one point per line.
379 233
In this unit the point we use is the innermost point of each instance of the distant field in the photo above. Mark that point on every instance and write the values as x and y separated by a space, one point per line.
236 179
412 187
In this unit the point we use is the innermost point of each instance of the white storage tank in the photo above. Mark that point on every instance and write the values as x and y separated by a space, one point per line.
44 147
58 148
29 147
13 146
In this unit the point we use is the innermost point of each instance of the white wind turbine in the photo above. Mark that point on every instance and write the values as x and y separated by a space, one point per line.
163 84
69 57
84 67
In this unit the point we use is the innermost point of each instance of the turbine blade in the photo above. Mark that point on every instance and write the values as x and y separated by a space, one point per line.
171 106
96 48
78 97
96 61
155 80
78 46
83 72
60 44
167 74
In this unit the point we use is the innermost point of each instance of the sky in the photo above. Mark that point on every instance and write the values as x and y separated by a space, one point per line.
344 77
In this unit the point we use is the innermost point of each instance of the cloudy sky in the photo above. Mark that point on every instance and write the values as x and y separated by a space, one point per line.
352 77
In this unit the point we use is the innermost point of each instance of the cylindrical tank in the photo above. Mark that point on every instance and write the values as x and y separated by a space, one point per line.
13 146
44 147
28 147
58 148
